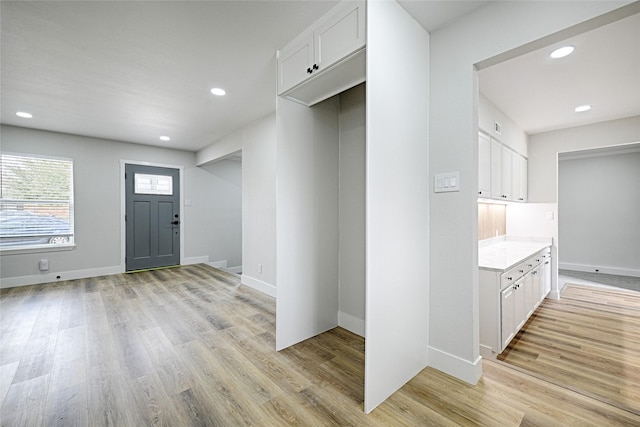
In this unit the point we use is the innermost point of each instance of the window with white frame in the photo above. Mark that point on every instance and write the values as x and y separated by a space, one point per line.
36 202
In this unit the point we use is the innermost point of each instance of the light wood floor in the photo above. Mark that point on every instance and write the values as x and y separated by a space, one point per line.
190 347
589 341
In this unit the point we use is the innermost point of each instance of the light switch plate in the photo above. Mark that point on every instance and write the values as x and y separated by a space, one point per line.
446 182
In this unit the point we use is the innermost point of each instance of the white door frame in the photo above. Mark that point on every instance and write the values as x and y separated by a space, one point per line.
123 225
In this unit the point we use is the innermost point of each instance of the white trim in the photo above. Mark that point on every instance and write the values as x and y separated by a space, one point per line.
195 260
218 264
38 279
455 366
123 225
35 249
235 270
351 323
258 285
603 270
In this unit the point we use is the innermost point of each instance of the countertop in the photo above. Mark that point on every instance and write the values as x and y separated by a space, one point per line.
502 253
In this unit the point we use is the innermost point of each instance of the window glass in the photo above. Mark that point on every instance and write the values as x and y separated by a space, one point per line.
153 184
36 201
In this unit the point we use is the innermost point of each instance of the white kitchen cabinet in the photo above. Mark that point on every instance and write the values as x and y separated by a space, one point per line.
508 318
545 286
496 170
518 178
502 173
522 299
508 298
484 166
295 62
524 179
507 173
327 56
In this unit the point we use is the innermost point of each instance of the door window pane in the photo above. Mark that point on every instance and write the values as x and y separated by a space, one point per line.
153 184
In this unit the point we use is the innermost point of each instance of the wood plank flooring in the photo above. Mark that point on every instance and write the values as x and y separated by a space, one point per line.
189 346
588 341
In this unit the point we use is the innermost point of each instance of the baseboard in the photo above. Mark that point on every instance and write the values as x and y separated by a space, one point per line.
599 269
39 279
218 264
351 323
195 260
465 370
236 270
258 285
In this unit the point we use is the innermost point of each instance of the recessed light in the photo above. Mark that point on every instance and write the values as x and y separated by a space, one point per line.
165 138
582 108
562 52
218 92
24 115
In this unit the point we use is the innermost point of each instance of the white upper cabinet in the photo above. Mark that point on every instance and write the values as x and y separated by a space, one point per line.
339 36
496 170
326 59
507 173
524 179
484 166
502 173
519 178
294 64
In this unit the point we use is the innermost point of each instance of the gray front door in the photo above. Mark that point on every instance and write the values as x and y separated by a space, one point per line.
152 217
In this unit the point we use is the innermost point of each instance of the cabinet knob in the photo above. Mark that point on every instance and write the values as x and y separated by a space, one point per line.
315 66
509 278
521 271
309 71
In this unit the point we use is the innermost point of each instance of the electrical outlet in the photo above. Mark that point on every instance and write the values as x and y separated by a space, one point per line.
259 268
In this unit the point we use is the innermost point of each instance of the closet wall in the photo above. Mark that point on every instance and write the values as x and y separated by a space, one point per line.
312 201
352 209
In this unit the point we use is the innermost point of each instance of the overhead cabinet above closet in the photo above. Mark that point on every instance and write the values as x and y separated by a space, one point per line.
327 59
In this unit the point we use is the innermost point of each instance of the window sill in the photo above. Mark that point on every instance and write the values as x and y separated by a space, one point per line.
16 250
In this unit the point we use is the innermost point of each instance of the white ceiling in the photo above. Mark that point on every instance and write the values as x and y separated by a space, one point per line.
133 71
540 93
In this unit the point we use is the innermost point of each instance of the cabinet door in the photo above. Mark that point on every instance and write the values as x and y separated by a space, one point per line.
496 170
507 320
520 299
484 166
524 183
341 35
536 285
294 63
546 275
507 174
515 176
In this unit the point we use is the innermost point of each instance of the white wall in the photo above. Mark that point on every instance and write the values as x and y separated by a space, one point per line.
599 213
530 219
496 29
544 147
511 134
97 204
259 205
307 220
397 200
352 209
257 142
225 240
